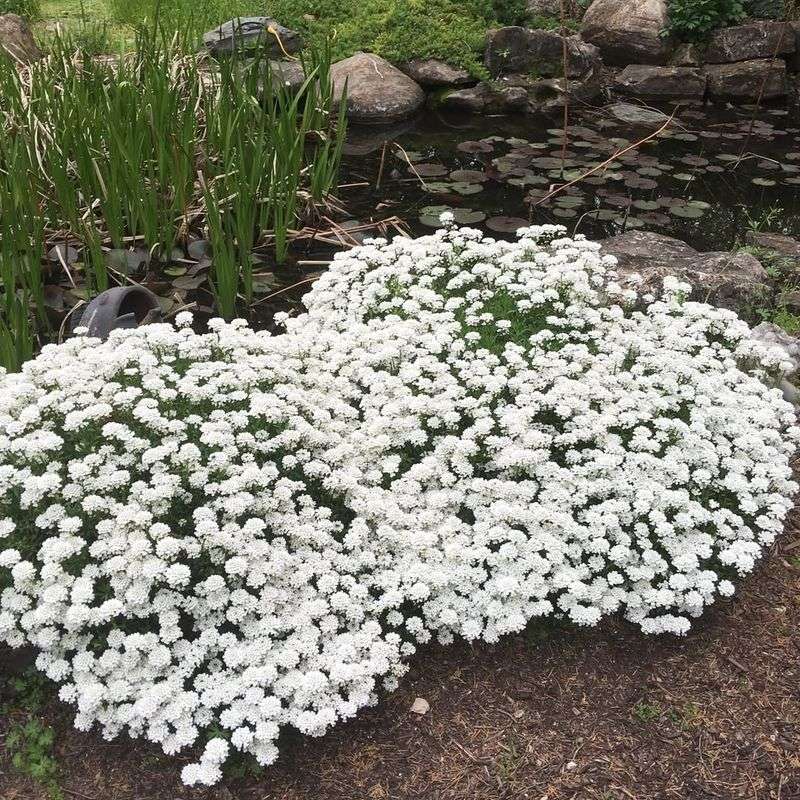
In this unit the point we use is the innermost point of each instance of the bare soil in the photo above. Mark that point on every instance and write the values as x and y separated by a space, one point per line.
554 713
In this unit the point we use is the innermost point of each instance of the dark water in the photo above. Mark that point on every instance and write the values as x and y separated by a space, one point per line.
709 177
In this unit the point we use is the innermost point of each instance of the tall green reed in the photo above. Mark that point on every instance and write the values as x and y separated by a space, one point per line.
148 149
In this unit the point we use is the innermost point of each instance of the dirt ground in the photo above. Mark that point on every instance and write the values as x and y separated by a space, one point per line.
550 714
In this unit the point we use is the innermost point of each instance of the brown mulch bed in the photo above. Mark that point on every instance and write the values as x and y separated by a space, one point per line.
553 713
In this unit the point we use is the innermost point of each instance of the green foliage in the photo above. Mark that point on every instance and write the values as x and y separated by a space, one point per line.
766 9
552 23
30 9
142 151
198 14
694 20
29 691
646 712
31 748
397 29
510 12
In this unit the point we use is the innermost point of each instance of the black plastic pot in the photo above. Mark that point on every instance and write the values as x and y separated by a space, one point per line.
121 307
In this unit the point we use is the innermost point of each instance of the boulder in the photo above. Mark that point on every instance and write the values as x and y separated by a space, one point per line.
730 280
245 33
290 73
772 336
377 92
17 40
760 39
436 73
628 31
637 115
488 97
784 246
686 55
541 53
549 94
745 81
661 83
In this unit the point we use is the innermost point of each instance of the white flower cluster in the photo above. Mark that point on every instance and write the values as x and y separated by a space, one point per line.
237 532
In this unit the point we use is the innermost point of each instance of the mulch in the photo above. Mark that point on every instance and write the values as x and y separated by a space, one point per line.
554 713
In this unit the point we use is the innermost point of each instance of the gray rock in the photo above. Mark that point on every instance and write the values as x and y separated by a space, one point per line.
290 73
16 38
377 92
245 33
686 55
544 8
637 115
549 94
628 31
488 97
436 73
661 83
777 242
773 336
730 280
520 50
760 39
744 81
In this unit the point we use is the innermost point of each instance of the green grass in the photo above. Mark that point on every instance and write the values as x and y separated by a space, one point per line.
82 20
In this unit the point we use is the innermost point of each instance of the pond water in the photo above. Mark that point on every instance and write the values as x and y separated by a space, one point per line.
706 179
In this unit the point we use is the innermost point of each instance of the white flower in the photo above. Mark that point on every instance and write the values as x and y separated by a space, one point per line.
244 532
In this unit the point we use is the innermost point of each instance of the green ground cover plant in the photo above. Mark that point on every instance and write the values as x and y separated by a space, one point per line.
694 20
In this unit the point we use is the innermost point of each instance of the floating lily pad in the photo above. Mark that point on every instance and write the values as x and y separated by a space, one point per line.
628 222
429 215
655 218
475 147
466 216
409 155
683 176
764 182
463 188
603 214
649 172
565 213
687 212
469 176
645 205
506 224
429 170
438 187
641 183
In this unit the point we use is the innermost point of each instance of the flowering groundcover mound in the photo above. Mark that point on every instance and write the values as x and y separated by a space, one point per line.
234 532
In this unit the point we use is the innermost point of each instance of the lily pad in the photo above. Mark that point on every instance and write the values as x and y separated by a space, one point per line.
429 170
475 147
687 212
565 213
469 176
463 188
506 224
764 182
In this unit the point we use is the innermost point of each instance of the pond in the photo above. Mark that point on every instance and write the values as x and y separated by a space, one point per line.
709 177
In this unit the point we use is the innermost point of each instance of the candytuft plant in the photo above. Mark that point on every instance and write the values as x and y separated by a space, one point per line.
213 536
